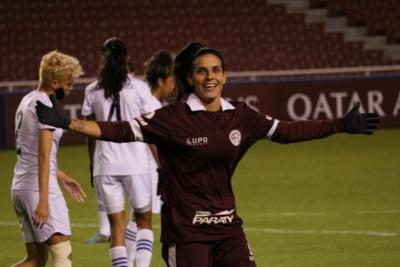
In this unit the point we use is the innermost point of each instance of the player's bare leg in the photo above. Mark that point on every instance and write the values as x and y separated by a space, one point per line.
36 256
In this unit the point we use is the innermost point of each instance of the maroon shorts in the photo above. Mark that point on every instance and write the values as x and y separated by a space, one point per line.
229 252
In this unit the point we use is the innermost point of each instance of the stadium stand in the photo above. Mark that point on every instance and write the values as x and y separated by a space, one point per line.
254 35
380 17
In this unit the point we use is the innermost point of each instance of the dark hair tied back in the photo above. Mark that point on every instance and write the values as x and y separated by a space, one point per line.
159 66
113 72
181 68
115 45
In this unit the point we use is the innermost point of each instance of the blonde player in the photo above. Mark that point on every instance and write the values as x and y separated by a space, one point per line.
37 198
120 169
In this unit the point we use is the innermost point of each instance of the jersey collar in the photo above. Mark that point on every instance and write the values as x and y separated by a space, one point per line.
195 104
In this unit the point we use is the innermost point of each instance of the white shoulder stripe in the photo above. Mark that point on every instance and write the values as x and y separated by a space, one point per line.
273 128
136 130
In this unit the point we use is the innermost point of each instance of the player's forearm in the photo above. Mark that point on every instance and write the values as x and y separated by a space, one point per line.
119 132
44 152
104 130
290 132
44 166
87 128
62 176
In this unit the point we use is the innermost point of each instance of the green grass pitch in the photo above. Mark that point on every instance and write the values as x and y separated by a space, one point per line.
331 202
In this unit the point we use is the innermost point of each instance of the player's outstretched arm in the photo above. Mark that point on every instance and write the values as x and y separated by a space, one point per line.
103 130
353 122
55 116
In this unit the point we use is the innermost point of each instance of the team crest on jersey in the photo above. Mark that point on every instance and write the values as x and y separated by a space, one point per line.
235 137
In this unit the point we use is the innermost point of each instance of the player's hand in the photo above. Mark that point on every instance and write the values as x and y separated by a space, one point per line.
360 123
41 213
54 116
73 188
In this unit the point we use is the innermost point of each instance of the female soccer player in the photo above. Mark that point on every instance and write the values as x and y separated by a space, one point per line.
200 141
37 198
122 169
159 76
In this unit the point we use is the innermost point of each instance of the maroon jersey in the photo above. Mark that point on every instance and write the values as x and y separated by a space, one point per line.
199 151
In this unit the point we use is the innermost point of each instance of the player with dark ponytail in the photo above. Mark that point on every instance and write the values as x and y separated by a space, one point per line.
113 72
114 97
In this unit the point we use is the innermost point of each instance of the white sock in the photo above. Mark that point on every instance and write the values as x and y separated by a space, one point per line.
104 223
118 256
130 240
144 247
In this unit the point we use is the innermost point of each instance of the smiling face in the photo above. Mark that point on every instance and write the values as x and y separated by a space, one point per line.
208 78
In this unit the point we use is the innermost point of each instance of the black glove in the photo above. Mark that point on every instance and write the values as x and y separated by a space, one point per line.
356 123
54 116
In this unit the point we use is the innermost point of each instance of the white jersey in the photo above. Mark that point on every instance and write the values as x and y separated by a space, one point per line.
126 158
156 104
156 199
27 129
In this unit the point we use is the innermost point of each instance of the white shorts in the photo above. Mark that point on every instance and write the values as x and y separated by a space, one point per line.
156 201
25 203
112 190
